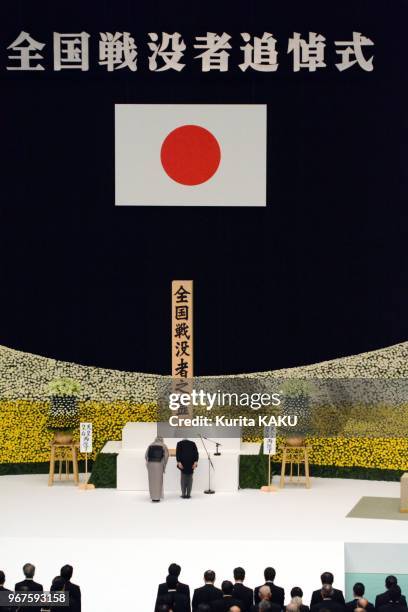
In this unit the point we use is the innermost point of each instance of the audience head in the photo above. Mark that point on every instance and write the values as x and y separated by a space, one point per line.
395 593
264 592
58 584
227 587
327 591
296 592
2 578
164 608
390 582
174 570
29 570
171 582
269 574
362 603
358 589
66 572
327 578
203 607
239 574
235 608
209 576
294 606
264 605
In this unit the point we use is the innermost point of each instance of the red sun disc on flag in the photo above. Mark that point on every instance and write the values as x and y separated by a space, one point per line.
190 155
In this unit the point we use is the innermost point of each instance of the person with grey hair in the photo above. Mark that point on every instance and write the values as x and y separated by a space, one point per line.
296 601
157 455
29 584
265 603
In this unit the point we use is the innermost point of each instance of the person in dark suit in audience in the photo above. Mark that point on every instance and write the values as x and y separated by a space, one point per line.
173 598
296 595
164 608
228 600
327 578
28 584
327 601
207 593
358 600
174 570
187 459
265 603
73 589
277 593
383 598
242 592
4 590
396 601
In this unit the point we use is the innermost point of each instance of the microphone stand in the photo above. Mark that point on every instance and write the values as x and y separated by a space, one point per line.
209 491
217 444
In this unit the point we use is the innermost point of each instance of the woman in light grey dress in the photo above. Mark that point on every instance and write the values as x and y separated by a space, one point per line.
157 455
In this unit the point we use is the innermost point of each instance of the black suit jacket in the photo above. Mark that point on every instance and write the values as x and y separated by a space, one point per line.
205 594
277 594
352 605
384 598
274 608
184 589
394 607
74 597
245 594
187 454
317 597
29 585
178 601
328 604
7 609
222 605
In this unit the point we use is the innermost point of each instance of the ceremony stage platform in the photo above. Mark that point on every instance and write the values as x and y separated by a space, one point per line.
123 535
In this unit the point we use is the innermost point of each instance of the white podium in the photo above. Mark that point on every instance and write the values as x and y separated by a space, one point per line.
131 466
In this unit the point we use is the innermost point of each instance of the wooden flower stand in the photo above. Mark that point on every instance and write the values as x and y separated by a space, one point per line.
64 452
295 455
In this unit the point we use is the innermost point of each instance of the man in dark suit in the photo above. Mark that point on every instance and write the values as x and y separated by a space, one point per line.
228 600
28 584
327 578
73 589
174 570
384 598
277 593
242 592
173 598
207 593
327 601
396 601
4 590
358 600
187 458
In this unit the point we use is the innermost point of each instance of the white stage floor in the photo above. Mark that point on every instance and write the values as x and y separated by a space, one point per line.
296 513
123 540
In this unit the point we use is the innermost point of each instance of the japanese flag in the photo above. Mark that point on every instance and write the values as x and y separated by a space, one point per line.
190 154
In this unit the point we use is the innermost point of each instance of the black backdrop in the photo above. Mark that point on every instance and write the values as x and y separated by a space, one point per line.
320 273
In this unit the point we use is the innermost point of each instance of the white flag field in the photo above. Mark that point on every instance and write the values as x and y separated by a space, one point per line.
190 154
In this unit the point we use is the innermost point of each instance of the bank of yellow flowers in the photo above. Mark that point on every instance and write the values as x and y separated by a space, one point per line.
24 437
